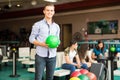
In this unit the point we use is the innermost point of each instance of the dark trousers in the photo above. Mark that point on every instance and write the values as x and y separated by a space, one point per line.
44 62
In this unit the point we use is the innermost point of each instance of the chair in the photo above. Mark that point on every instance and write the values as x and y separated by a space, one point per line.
4 59
31 60
24 53
59 59
59 72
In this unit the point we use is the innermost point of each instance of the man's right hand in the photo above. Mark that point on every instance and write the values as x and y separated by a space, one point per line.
43 44
37 43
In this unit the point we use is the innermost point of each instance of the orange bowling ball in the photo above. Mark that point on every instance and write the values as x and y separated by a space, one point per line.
91 76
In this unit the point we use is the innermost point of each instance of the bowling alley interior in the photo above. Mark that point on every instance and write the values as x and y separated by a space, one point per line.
86 21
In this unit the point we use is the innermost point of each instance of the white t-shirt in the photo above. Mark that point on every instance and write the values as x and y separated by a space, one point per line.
72 55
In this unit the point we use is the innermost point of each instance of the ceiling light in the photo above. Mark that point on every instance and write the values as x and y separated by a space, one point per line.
51 0
18 5
9 4
33 2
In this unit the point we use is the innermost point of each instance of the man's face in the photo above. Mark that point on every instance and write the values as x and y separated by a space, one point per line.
49 11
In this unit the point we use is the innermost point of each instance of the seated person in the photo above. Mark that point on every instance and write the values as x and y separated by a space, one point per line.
99 52
71 53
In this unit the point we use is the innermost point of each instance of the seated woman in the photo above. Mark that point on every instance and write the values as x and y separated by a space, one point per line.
99 52
71 53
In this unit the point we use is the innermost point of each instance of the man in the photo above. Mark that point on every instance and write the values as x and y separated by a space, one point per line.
45 57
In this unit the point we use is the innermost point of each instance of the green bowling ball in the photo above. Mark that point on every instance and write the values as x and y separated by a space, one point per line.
52 41
112 49
83 77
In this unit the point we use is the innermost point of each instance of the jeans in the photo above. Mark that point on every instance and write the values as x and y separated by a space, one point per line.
44 62
70 67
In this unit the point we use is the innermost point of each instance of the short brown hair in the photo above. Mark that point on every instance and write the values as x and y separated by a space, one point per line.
48 4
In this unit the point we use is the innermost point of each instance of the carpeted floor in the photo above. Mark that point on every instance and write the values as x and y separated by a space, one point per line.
6 71
117 74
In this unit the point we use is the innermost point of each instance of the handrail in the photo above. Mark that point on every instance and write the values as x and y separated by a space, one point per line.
96 42
10 42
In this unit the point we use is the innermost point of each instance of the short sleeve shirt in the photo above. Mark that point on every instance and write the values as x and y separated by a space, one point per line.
71 54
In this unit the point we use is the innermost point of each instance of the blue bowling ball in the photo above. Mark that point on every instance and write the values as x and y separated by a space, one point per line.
118 49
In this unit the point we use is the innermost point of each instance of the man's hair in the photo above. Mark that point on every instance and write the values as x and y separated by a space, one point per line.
48 4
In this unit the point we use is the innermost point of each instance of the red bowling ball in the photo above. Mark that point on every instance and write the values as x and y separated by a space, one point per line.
75 74
84 71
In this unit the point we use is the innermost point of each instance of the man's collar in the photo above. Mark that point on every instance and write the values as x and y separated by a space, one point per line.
46 21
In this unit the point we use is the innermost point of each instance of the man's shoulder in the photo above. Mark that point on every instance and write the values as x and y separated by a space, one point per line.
38 22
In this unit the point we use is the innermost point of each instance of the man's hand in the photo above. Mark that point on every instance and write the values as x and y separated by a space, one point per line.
43 44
